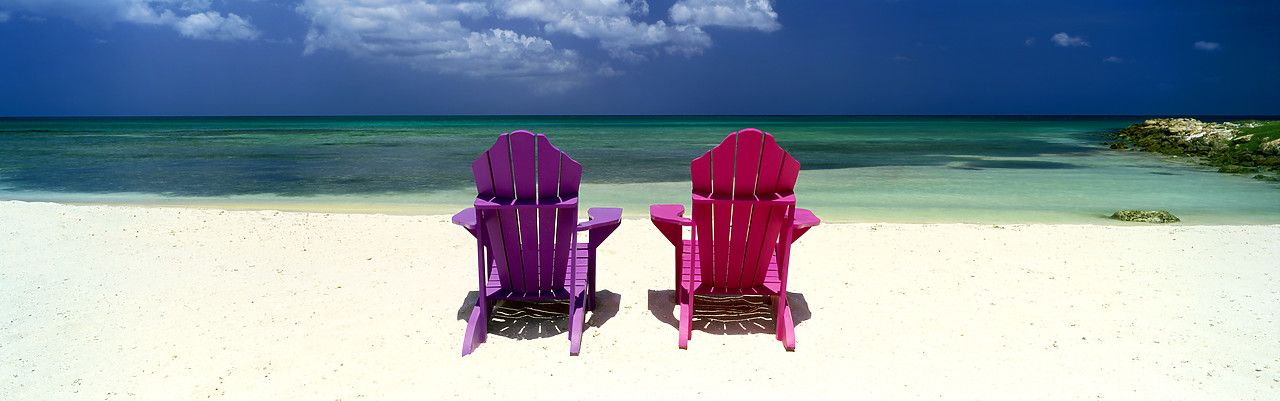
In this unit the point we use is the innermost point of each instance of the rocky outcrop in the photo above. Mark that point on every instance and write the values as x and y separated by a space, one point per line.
1146 216
1228 146
1180 135
1271 148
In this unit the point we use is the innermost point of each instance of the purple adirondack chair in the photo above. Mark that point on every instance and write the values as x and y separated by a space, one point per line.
744 221
525 221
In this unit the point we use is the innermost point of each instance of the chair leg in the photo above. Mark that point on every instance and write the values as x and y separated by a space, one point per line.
786 330
591 280
591 289
477 327
686 318
577 319
679 270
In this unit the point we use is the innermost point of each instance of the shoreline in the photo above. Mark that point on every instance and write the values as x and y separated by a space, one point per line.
892 217
635 199
118 302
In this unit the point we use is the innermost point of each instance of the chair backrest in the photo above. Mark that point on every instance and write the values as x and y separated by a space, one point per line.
742 201
524 165
529 189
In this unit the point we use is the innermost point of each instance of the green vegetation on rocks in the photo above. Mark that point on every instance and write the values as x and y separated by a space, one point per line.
1146 216
1244 147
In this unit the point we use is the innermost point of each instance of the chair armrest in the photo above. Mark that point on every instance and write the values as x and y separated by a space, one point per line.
804 220
467 219
669 214
603 221
668 220
600 217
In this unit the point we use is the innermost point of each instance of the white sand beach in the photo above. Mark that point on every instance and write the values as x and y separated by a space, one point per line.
148 303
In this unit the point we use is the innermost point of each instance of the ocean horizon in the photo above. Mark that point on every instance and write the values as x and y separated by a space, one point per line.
894 169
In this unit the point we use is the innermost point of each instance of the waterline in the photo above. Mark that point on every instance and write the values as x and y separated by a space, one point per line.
988 170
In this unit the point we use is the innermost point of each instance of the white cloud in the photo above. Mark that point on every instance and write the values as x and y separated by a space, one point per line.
608 71
688 40
1208 46
463 37
553 9
753 14
196 5
516 39
211 25
191 18
1064 40
610 22
431 37
387 28
1113 59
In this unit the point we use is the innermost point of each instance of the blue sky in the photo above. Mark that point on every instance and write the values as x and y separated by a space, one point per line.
422 57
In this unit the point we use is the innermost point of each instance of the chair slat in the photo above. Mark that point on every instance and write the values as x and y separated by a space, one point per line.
746 163
771 161
484 176
745 168
546 250
528 220
776 222
524 166
723 159
570 176
703 237
492 222
721 229
509 236
759 249
564 241
500 168
741 239
787 177
548 168
700 172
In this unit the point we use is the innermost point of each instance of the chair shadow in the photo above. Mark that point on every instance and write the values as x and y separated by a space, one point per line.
728 314
527 320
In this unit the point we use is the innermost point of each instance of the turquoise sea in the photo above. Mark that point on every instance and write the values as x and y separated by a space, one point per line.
972 169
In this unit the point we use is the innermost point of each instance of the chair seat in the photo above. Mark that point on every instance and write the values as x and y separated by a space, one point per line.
493 287
689 261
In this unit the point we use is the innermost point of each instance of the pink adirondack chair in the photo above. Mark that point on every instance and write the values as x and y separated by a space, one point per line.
744 221
525 221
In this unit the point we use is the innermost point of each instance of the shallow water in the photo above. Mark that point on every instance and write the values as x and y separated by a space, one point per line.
995 170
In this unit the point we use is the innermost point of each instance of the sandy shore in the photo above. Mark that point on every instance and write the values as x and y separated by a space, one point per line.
110 302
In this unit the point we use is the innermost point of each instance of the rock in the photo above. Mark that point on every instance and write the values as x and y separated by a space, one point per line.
1266 178
1189 129
1270 148
1157 216
1222 145
1234 169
